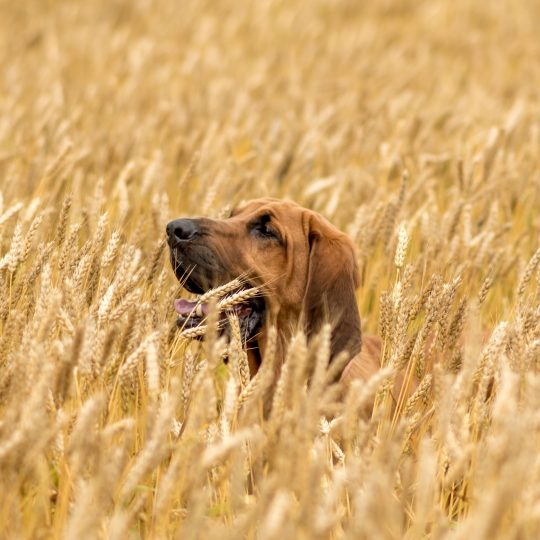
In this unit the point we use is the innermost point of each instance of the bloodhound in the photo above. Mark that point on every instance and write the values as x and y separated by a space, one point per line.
305 267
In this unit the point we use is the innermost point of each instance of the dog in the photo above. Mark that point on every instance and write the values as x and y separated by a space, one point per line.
305 267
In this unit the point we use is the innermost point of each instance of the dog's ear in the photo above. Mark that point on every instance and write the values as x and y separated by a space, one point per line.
331 283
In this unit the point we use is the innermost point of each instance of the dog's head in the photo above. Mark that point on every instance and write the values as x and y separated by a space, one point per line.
305 268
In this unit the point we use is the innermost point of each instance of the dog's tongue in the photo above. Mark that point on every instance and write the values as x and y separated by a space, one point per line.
185 307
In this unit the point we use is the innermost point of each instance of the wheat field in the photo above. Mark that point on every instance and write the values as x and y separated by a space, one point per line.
412 126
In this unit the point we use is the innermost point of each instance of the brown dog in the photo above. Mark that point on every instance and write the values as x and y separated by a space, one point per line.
305 267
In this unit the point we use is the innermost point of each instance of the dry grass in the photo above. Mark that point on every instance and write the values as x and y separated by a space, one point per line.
414 126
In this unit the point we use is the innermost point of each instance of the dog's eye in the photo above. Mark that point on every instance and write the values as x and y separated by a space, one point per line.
262 227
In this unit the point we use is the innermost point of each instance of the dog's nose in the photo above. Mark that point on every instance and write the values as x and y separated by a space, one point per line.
181 229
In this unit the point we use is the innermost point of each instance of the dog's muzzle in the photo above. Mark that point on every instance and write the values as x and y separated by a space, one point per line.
198 269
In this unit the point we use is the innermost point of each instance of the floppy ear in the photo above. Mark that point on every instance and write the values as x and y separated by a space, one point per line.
331 284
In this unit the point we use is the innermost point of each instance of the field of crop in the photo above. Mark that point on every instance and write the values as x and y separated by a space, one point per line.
412 125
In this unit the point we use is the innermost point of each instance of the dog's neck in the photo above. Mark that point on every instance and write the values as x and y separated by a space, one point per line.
346 337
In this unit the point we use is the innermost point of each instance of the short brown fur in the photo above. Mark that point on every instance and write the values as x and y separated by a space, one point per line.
308 278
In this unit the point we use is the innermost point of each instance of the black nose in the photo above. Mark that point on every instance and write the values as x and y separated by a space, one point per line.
181 229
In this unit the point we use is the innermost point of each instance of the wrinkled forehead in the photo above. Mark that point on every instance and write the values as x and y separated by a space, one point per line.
279 209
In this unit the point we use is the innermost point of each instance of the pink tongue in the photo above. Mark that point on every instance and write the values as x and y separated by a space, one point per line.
185 307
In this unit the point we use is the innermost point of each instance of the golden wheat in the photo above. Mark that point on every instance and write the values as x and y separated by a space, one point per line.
412 126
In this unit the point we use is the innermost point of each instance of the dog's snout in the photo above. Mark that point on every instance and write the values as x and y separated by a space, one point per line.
181 230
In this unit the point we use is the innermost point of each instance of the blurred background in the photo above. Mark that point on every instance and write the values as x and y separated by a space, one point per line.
210 102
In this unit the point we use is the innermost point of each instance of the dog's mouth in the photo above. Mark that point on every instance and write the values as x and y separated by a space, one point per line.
190 284
250 313
199 280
